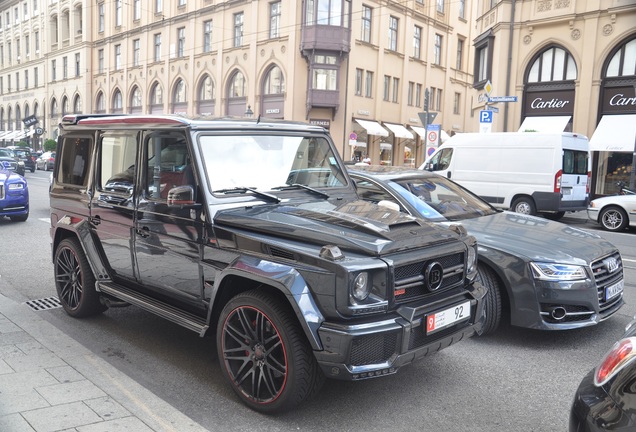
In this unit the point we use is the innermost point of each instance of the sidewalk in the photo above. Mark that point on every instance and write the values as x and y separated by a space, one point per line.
49 382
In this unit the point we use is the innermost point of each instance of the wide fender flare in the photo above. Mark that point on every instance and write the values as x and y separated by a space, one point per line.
81 230
288 281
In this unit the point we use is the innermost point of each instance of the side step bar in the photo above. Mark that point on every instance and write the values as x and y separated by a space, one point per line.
177 316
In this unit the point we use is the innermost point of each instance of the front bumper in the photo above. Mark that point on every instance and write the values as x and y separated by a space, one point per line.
14 202
592 214
361 351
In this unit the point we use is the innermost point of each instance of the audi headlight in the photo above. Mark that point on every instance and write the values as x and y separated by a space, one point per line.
361 287
557 272
16 186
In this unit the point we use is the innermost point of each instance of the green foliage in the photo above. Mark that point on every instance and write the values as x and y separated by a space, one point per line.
22 144
49 145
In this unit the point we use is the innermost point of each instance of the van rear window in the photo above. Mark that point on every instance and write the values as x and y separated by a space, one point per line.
575 162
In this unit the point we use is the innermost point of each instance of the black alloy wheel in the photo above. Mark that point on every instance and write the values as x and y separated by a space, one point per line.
74 281
265 355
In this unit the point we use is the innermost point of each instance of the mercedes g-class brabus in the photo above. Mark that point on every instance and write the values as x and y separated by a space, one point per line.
252 231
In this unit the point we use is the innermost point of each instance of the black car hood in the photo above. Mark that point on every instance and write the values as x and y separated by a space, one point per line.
354 226
537 238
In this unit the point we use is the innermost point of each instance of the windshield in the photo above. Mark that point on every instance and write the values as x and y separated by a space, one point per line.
436 198
266 162
6 153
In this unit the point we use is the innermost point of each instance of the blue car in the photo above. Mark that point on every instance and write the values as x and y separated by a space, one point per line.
14 195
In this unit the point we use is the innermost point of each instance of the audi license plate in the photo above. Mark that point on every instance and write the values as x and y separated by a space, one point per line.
447 317
614 290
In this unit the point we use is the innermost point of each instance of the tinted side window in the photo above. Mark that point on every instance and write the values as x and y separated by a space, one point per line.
74 161
574 162
116 165
168 164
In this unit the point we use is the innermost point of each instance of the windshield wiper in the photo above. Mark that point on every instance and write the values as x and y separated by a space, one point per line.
302 186
241 190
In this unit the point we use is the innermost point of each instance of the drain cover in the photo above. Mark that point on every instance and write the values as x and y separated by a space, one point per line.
44 304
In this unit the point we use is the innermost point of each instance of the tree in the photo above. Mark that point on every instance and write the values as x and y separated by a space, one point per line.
49 145
22 144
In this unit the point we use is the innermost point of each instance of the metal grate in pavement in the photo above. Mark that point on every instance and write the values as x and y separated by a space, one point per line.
44 304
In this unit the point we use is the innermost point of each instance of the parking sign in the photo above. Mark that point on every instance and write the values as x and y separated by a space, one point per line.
485 116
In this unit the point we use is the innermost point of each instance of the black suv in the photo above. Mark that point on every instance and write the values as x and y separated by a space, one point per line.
252 231
24 154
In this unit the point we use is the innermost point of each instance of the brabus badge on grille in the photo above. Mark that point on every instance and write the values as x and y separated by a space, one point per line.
434 275
611 264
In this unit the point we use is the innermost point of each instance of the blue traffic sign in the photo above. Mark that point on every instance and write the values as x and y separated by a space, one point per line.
485 116
502 99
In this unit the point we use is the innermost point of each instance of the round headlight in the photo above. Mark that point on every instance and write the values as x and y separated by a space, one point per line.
361 287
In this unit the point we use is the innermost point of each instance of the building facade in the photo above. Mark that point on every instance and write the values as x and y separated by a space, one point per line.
369 71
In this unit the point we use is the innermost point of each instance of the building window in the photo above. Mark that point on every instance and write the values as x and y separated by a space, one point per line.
77 65
623 62
437 50
136 52
366 24
27 46
2 55
238 29
35 77
36 36
77 105
274 82
368 85
101 20
410 95
180 42
100 61
237 85
274 20
417 41
157 47
554 64
438 107
440 6
182 3
431 102
460 54
158 6
359 73
393 33
207 36
483 59
387 87
328 12
53 71
99 103
156 95
118 57
179 92
64 67
396 89
324 78
135 100
26 79
418 95
462 9
64 106
118 13
17 81
456 103
137 10
206 91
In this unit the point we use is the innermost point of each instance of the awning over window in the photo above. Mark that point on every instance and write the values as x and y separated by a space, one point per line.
373 128
2 134
420 131
11 135
545 124
615 133
399 131
360 144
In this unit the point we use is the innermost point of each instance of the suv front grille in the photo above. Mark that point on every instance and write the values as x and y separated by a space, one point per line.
604 277
373 348
410 280
1 191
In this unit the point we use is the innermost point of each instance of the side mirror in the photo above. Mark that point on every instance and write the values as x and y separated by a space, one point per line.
181 196
389 204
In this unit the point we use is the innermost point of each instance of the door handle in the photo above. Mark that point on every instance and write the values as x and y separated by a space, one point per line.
448 174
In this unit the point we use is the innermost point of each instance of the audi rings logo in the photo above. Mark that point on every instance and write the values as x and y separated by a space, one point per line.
433 275
611 264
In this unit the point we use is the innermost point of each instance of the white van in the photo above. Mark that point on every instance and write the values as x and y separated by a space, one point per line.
527 172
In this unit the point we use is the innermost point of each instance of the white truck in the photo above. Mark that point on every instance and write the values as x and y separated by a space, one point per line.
527 172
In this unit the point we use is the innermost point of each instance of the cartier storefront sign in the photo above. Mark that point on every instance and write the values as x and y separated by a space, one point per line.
541 103
619 100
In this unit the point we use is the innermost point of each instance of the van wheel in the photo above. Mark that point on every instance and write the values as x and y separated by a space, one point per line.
613 219
265 355
74 281
492 301
524 205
